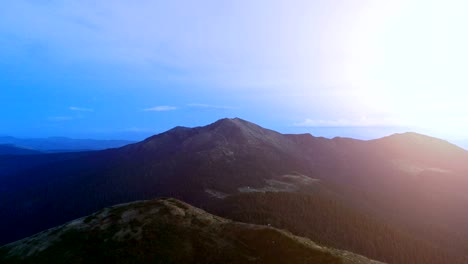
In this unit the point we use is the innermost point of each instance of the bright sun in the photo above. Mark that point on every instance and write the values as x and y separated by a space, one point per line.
410 59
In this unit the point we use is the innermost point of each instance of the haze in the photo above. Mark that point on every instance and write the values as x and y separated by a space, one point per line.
117 69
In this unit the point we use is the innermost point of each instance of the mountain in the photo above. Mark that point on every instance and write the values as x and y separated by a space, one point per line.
9 149
168 231
405 189
63 144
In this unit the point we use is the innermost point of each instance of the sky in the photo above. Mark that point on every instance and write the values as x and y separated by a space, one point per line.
130 69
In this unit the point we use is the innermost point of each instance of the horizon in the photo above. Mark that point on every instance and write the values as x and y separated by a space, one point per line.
327 134
460 143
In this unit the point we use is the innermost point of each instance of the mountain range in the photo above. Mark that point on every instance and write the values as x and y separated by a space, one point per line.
9 149
398 199
59 144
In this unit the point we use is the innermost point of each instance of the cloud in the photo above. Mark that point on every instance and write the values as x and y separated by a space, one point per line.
137 129
60 118
361 122
208 106
161 108
80 109
116 32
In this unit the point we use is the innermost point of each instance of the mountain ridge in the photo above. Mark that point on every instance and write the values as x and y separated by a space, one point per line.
168 231
11 149
62 144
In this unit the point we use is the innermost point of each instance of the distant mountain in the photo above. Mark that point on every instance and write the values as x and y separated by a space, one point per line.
410 188
168 231
63 144
9 149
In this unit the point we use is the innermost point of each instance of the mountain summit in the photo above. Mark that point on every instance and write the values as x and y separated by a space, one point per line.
227 131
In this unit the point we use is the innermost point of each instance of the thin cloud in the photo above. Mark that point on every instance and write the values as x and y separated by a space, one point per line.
362 122
60 118
80 109
161 108
137 129
208 106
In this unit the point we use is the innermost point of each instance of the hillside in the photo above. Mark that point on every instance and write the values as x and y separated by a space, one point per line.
331 223
9 149
167 231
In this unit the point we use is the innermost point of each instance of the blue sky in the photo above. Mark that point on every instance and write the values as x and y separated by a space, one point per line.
127 69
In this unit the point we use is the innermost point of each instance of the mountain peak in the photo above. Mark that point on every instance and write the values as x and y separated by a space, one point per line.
414 138
234 131
410 134
231 122
422 148
242 131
